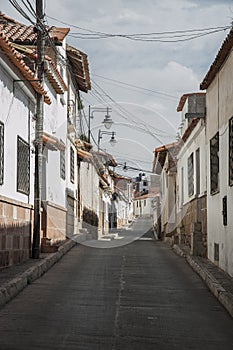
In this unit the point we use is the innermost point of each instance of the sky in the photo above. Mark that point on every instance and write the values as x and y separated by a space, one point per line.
140 81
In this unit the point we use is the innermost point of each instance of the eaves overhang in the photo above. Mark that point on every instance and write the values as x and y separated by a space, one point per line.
221 57
16 58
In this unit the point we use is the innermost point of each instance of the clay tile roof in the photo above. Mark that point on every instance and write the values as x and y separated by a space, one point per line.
189 129
160 154
59 34
166 148
52 142
17 59
184 98
22 34
84 155
80 67
219 60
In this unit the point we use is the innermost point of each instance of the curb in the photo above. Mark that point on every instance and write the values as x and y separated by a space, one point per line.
224 297
10 289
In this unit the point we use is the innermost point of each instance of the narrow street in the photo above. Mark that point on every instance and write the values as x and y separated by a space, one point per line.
136 296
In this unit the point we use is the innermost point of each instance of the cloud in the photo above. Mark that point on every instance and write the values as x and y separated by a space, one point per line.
172 68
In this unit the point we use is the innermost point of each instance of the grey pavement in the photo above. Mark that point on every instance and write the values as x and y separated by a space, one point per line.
133 297
14 279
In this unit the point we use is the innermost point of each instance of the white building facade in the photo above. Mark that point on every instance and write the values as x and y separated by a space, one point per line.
219 143
191 175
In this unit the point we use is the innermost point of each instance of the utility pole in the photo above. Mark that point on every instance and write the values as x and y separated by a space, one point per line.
38 132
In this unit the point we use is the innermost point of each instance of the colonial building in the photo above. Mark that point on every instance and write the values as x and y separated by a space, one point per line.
19 87
191 175
219 143
164 165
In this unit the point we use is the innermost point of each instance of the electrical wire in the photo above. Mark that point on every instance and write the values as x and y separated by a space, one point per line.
188 34
125 114
135 86
16 5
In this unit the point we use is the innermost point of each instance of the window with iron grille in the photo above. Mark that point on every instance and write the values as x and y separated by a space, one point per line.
216 251
190 175
231 152
23 166
1 153
71 165
214 164
198 171
62 165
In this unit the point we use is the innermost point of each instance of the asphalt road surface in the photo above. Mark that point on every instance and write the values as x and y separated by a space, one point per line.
137 296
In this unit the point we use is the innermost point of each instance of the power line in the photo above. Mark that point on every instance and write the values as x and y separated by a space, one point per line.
123 112
189 33
165 39
135 86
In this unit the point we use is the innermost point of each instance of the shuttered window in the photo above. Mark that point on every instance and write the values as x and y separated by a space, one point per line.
23 166
214 164
190 175
1 153
231 151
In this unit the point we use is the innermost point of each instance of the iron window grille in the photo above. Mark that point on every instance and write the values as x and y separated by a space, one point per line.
190 176
231 151
1 153
216 251
214 164
71 165
62 165
23 166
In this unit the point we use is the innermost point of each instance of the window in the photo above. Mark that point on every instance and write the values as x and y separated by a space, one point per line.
190 175
216 252
62 165
1 153
145 203
231 151
71 165
214 164
145 183
23 166
198 174
182 187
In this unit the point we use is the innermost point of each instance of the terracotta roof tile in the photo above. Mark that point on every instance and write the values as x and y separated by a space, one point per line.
17 59
23 34
189 129
160 154
79 64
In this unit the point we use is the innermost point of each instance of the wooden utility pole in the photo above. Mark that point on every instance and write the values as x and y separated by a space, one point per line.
38 132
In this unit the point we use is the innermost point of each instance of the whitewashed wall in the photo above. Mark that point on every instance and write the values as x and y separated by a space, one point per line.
195 141
219 110
17 108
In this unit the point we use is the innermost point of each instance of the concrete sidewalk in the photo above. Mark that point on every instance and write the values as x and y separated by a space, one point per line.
14 279
218 281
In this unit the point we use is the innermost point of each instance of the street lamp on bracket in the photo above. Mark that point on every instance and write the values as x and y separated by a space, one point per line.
112 140
107 122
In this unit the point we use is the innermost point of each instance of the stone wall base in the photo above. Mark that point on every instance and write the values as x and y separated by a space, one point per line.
15 231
